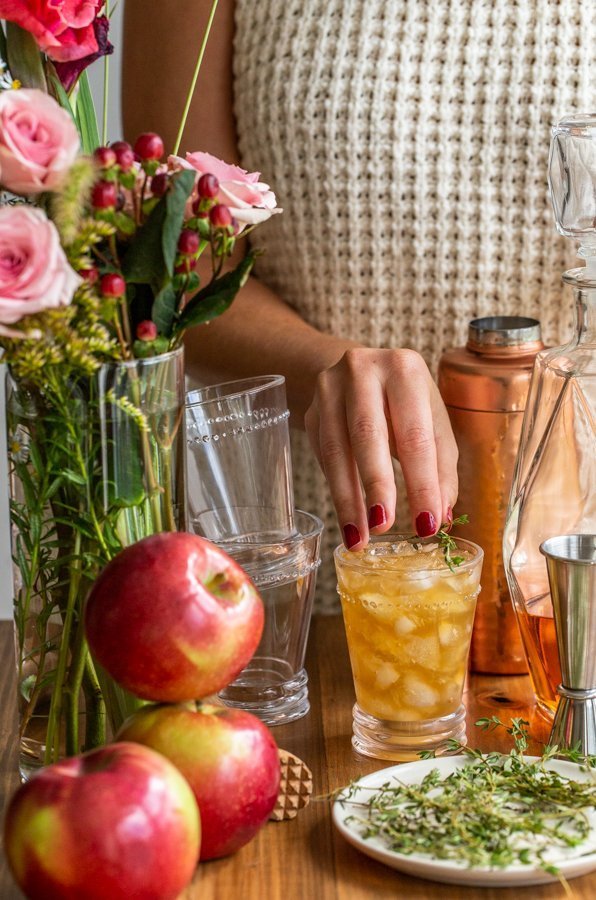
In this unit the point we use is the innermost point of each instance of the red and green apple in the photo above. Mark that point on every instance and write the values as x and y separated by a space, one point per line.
117 822
228 757
173 618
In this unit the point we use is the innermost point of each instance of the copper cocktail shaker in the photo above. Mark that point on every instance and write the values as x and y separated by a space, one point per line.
484 386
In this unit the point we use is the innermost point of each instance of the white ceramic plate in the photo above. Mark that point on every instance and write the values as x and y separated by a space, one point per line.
576 861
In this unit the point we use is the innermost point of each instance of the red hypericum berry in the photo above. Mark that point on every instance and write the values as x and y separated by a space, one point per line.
149 146
220 215
104 157
124 154
188 242
184 267
159 184
208 186
91 275
104 195
112 285
146 330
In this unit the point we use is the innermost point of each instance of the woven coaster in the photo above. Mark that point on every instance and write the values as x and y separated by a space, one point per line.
295 787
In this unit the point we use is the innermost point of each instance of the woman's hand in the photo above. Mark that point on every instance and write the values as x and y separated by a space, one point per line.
368 407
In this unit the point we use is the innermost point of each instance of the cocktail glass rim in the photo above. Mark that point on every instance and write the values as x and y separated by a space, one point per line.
358 560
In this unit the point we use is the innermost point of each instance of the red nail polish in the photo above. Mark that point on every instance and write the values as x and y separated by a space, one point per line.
351 535
376 515
426 524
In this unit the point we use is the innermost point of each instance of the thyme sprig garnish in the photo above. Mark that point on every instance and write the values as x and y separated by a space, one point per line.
447 543
499 810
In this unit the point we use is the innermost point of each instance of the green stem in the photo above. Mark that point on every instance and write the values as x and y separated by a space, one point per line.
95 707
76 439
106 84
77 667
167 488
52 751
194 78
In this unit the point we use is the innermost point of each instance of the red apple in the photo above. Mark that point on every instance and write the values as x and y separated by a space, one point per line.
118 822
228 757
173 618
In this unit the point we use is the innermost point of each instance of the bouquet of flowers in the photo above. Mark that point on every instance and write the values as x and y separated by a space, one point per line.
99 246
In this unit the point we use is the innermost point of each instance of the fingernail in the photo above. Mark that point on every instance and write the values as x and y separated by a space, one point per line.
376 515
351 535
426 524
449 516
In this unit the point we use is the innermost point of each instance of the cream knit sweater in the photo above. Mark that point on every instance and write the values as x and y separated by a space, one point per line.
407 141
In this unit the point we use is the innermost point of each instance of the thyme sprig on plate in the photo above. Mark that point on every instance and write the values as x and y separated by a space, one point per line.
499 810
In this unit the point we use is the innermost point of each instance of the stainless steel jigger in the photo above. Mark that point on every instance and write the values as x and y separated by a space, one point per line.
571 564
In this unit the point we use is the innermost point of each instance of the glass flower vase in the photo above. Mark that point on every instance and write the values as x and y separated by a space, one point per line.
94 466
554 483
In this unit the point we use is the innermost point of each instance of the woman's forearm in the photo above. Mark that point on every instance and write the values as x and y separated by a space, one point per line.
260 334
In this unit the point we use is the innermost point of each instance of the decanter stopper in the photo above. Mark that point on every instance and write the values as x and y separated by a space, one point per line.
572 183
571 565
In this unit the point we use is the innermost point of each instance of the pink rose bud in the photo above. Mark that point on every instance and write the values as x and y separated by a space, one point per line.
104 195
146 330
250 200
35 274
104 157
208 186
112 285
124 154
220 215
188 242
149 146
38 139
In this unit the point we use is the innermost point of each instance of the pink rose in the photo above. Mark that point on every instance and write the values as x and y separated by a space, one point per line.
34 271
249 200
38 142
62 28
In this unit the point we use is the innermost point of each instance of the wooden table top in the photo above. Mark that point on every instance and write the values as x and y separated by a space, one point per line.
305 858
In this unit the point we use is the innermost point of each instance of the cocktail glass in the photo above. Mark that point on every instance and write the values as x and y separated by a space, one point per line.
408 618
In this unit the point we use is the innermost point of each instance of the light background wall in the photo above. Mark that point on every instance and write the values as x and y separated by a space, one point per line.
114 132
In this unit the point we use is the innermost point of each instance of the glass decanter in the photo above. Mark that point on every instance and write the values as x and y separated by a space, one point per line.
554 482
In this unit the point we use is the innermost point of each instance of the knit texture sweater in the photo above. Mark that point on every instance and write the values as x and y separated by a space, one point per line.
408 142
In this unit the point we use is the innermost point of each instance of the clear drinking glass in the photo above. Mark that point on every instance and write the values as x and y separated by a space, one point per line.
408 619
239 465
274 684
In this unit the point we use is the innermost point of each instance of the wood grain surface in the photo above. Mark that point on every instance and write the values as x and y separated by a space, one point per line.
305 858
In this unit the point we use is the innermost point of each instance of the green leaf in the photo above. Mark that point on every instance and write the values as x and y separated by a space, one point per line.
86 117
57 91
180 190
24 58
164 309
74 477
3 47
150 257
216 297
124 223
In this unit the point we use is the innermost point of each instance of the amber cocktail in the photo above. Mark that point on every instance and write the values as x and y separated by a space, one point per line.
408 618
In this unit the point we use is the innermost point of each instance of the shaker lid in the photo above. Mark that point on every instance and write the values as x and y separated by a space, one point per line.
502 331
